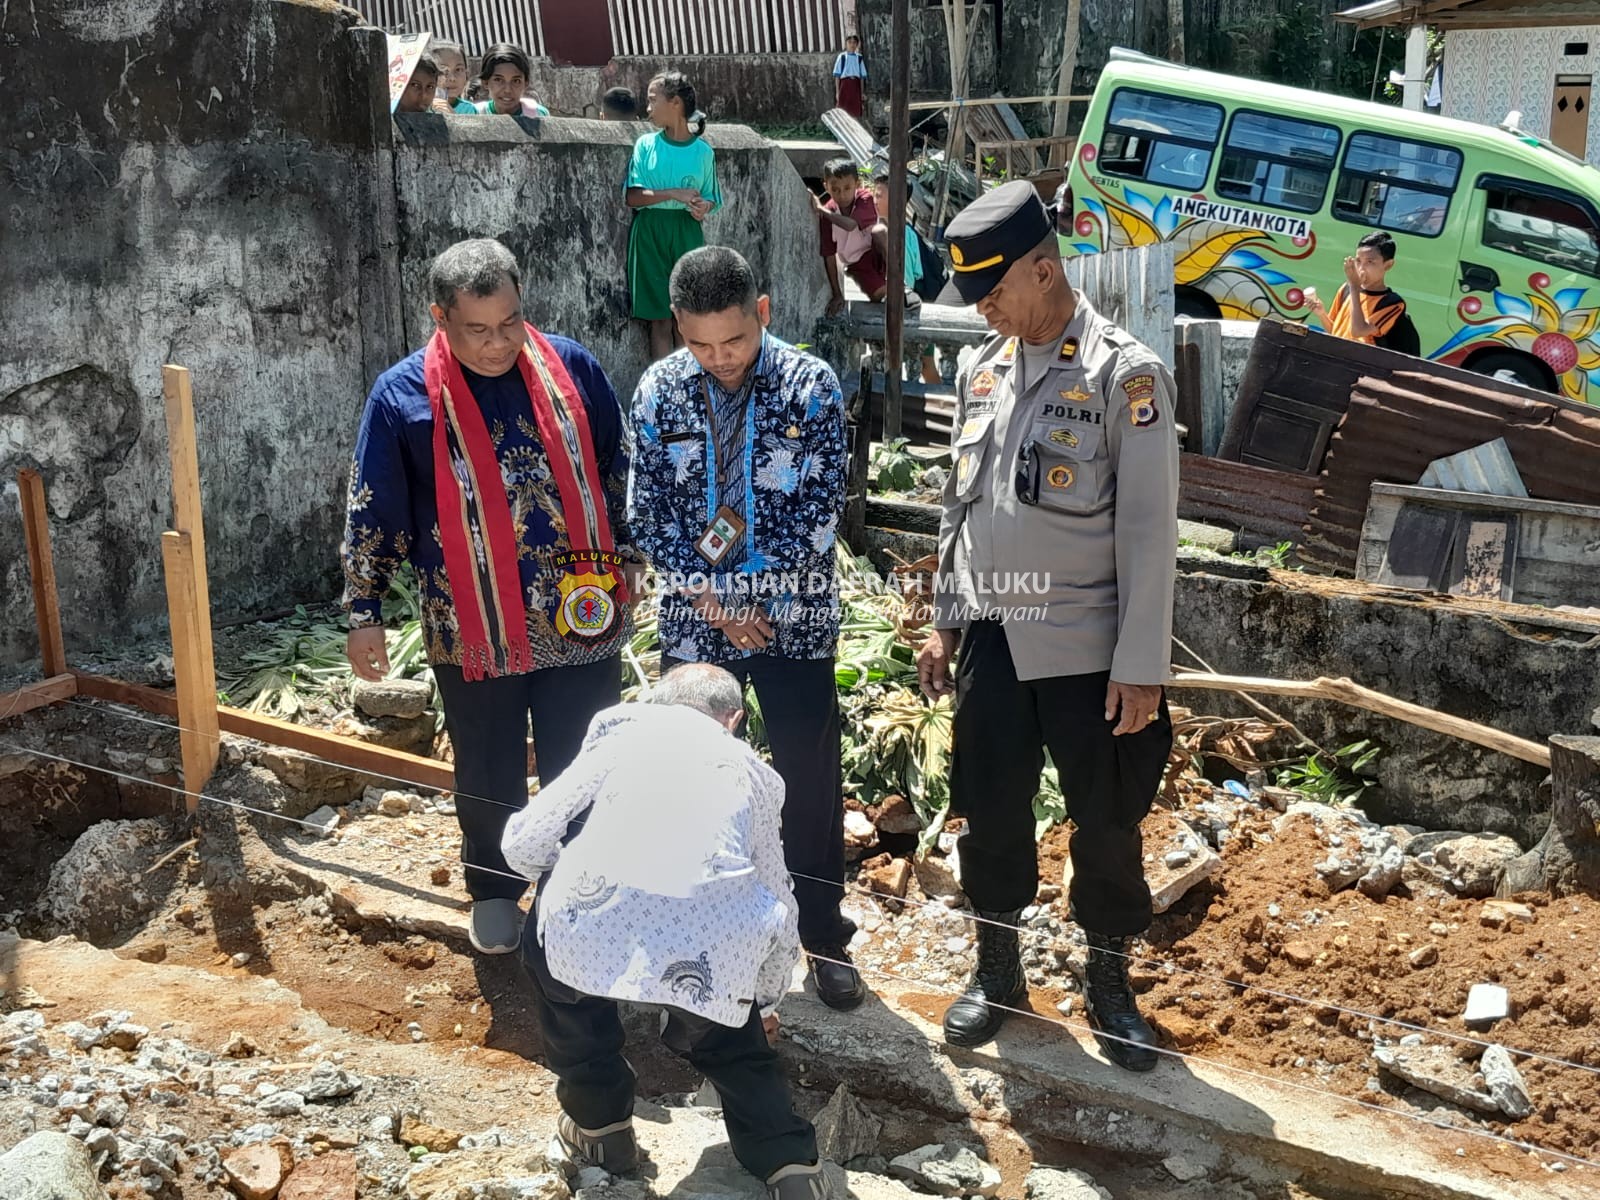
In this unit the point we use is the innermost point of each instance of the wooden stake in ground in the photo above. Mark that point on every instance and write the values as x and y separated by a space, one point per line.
42 568
183 552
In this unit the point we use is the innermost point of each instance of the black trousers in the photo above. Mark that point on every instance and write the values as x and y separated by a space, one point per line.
583 1040
488 724
1002 726
800 709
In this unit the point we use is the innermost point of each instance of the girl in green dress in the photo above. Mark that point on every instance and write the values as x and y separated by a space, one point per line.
672 186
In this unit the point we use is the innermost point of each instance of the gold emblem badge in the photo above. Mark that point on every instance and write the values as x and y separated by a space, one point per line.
585 607
1074 395
983 383
956 256
1064 437
1059 477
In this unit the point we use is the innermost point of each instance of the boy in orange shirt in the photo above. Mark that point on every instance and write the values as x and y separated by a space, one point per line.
1379 319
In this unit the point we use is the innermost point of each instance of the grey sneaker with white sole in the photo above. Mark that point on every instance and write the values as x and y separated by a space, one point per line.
495 927
613 1148
798 1182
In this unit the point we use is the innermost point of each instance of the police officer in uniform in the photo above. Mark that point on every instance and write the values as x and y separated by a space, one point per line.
1066 476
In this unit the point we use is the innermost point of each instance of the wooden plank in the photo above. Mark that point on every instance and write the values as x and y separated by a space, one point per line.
1347 691
42 569
182 452
894 301
346 752
37 695
198 737
972 101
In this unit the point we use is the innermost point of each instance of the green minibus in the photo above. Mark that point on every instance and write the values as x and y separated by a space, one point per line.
1264 190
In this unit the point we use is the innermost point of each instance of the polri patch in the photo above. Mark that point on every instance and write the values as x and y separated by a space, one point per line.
1059 477
1069 350
982 383
1141 392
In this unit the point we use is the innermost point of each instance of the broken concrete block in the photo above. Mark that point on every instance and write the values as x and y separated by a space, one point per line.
1183 1168
940 877
404 698
887 876
1475 864
419 1133
1504 1081
332 1177
517 1174
1497 914
846 1130
1046 1183
896 815
1486 1004
947 1171
254 1172
324 820
1383 872
859 833
48 1164
1437 1071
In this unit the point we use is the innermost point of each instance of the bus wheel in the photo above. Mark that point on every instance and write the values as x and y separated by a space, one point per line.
1190 302
1515 368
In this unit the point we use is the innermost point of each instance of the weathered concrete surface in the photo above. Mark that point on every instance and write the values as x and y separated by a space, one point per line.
1515 668
185 198
753 89
572 239
1048 1080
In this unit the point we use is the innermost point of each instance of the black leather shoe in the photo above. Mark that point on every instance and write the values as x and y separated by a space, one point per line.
838 983
997 979
1113 1013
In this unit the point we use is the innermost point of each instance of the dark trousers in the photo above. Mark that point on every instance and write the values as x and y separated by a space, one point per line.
488 724
800 709
583 1040
1002 727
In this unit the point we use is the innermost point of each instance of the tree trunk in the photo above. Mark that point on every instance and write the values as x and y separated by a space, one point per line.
1175 32
1069 67
1567 859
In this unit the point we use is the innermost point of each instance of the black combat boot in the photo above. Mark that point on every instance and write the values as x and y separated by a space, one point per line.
1113 1013
997 979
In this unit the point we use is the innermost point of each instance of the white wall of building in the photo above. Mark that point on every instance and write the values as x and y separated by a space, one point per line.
1488 73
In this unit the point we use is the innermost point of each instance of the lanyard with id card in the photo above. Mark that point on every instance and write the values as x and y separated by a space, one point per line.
726 526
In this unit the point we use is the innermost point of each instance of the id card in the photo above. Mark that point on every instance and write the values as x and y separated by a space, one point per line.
713 545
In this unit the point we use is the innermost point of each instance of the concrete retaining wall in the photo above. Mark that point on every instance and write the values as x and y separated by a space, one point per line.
765 89
572 239
222 187
175 195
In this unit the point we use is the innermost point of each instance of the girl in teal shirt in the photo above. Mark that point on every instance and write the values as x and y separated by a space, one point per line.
672 186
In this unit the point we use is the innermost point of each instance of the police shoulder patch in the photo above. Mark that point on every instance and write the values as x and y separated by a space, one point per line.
1141 393
1069 350
982 383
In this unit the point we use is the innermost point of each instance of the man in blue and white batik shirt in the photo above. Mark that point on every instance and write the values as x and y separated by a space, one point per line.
662 881
736 490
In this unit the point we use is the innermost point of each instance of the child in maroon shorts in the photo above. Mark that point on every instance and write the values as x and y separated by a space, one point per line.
845 225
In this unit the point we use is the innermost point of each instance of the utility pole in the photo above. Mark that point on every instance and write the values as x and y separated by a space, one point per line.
894 304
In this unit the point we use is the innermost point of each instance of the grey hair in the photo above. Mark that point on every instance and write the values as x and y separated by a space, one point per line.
704 687
712 279
479 267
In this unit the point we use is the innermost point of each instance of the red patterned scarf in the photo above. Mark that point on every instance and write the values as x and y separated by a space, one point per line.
475 527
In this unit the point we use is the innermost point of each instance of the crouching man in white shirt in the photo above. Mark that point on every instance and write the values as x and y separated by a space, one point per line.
661 881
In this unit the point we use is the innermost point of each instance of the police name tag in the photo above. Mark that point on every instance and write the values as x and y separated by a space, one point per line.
713 545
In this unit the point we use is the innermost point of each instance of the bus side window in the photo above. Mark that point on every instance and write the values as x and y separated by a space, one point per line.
1164 140
1277 160
1549 227
1397 184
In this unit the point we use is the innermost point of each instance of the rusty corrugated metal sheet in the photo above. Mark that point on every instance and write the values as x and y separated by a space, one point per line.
1271 503
1395 427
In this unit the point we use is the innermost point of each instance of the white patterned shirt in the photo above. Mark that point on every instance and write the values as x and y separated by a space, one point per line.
673 889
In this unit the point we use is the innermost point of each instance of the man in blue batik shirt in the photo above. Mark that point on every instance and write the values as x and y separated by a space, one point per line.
735 494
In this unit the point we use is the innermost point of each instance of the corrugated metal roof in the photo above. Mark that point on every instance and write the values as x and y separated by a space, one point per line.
1488 470
1271 503
1394 428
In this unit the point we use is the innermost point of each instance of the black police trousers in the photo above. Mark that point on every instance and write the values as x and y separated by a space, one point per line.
488 724
583 1041
1002 728
800 710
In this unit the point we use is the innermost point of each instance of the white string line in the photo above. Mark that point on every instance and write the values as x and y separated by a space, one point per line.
974 917
1069 1025
409 851
1470 1131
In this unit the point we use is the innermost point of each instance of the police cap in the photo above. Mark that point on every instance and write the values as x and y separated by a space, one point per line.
994 231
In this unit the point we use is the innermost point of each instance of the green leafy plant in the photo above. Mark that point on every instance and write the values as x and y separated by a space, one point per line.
894 467
1343 779
1276 557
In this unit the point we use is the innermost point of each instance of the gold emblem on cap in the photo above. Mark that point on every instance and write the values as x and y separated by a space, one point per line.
955 254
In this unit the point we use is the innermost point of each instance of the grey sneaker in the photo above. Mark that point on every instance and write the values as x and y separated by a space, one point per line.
613 1148
798 1182
496 926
